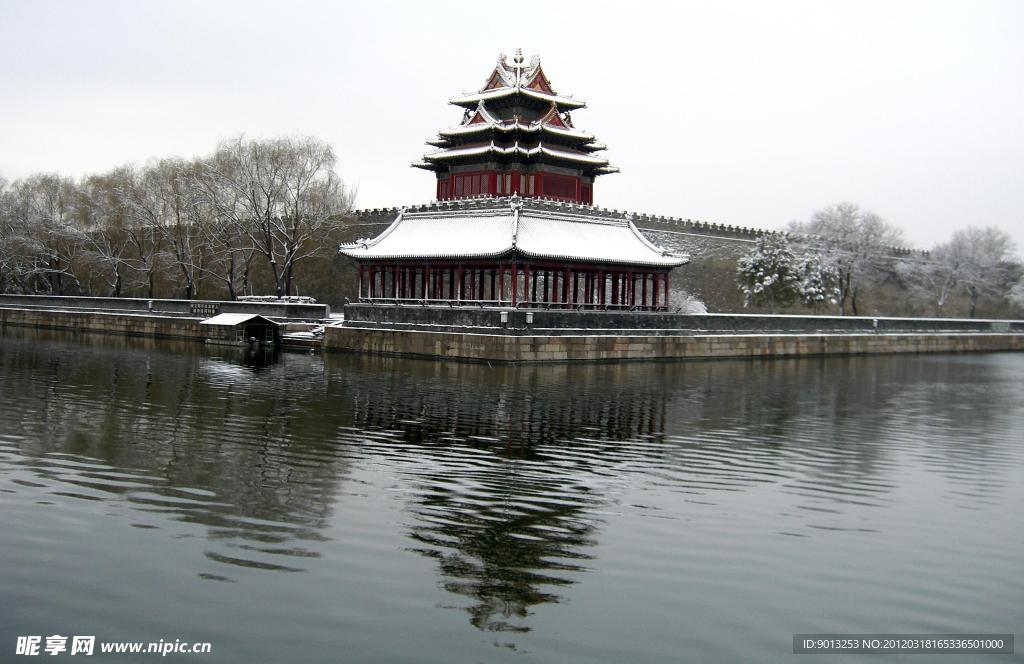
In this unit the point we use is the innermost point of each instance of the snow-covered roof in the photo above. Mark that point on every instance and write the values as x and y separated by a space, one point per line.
513 150
514 227
483 128
230 320
471 101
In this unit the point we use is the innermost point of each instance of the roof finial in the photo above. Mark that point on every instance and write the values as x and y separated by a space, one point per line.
518 59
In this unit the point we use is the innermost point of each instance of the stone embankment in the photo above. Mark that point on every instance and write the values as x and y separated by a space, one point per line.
486 335
168 319
496 335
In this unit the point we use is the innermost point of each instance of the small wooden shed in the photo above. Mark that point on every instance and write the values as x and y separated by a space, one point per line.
241 328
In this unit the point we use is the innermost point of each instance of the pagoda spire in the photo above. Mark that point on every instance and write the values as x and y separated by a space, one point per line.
516 138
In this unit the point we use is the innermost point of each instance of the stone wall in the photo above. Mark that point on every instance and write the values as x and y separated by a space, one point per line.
573 348
203 308
561 322
123 324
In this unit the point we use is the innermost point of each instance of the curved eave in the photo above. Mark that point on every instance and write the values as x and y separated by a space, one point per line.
668 262
472 130
668 258
471 101
516 151
363 253
427 166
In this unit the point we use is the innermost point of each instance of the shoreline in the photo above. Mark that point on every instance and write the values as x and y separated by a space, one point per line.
542 344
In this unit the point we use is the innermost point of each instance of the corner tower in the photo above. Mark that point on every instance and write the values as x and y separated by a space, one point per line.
516 137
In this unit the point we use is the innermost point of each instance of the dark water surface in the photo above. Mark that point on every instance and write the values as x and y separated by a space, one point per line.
355 509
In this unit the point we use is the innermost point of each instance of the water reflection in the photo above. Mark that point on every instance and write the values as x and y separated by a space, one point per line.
507 473
217 439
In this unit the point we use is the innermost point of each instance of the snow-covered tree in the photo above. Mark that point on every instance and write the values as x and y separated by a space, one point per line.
974 262
818 281
1016 294
857 243
769 274
983 257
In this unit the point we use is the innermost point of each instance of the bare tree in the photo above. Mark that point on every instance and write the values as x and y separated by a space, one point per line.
983 263
145 207
933 278
288 198
856 243
222 224
103 218
1016 293
167 200
43 238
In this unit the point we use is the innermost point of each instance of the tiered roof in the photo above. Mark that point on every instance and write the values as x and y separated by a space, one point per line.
516 227
517 117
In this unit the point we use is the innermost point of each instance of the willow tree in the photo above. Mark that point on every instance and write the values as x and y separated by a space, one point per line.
40 235
286 198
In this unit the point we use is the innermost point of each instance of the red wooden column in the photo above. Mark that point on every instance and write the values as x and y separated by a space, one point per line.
515 282
615 288
666 291
526 283
601 287
654 290
565 286
643 291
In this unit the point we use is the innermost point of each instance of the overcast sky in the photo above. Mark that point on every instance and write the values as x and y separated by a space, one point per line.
748 113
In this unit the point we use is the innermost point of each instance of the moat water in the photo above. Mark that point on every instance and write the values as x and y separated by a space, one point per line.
341 508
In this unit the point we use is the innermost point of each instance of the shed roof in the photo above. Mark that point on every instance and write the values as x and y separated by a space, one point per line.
511 227
231 320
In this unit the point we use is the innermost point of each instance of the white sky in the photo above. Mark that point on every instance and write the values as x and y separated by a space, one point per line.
748 113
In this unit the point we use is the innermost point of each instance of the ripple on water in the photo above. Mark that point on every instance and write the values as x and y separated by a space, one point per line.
654 509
